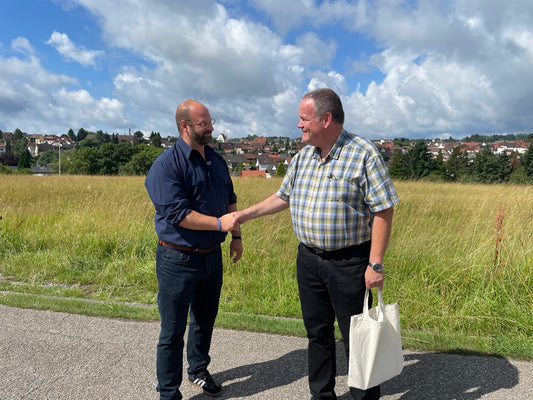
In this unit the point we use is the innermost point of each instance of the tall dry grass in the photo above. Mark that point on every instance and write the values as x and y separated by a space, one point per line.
460 258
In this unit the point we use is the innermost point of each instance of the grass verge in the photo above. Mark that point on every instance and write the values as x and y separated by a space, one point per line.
518 347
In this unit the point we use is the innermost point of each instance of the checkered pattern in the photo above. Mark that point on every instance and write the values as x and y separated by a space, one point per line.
332 202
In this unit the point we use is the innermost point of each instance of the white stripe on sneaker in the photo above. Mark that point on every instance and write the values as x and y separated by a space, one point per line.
200 382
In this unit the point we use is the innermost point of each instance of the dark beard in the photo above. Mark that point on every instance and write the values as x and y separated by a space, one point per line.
200 139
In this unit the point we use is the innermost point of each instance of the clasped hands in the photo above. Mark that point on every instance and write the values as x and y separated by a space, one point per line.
231 221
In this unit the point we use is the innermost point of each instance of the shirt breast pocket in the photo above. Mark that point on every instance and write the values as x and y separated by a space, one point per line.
342 190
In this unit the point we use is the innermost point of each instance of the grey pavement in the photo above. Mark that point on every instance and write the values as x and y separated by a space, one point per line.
51 356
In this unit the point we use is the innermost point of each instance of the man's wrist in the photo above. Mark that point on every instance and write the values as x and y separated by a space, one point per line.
378 267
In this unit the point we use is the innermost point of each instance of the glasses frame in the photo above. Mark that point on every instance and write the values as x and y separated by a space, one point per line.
202 124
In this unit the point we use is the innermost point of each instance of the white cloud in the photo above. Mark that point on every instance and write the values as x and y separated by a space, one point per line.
39 101
315 52
22 45
203 53
71 52
457 67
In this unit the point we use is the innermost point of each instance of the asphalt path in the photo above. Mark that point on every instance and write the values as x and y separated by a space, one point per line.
52 356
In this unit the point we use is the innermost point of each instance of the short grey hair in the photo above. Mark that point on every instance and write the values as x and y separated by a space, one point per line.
326 100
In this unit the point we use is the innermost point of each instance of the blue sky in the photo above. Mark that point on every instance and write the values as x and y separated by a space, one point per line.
417 69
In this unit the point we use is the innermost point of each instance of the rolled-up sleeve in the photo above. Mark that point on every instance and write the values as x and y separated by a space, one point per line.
165 188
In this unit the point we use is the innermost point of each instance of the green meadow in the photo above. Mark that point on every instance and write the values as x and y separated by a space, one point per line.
459 264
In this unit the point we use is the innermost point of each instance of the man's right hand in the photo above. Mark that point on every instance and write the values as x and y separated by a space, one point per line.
229 222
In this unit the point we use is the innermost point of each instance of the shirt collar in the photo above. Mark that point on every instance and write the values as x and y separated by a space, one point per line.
184 147
188 150
335 150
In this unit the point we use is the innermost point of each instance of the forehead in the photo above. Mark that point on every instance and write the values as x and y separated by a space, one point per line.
307 107
199 111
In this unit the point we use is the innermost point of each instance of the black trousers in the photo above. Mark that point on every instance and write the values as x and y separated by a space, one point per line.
331 284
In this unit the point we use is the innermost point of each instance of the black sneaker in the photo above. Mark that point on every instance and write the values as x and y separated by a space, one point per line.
207 384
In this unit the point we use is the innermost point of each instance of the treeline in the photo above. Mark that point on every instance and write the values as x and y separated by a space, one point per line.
93 154
483 167
526 137
103 154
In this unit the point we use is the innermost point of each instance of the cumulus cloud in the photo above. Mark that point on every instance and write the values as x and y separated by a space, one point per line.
457 67
231 65
62 43
39 101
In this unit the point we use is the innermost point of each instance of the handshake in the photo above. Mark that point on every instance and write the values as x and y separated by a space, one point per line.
232 221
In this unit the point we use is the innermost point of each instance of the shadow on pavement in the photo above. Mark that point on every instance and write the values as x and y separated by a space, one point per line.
440 376
435 376
251 379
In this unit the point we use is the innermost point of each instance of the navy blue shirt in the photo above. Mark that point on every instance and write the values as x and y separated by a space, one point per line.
181 181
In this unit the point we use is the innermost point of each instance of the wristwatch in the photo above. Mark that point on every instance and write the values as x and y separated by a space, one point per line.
376 266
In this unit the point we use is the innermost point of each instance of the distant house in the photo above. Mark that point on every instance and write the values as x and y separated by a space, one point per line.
221 138
227 147
127 138
35 138
233 160
259 141
7 135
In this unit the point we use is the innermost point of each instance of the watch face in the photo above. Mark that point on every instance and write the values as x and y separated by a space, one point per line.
377 267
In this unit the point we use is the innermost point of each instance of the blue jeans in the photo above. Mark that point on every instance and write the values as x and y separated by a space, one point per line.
188 283
331 284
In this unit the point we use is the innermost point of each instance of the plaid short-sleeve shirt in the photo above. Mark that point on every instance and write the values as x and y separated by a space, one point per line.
332 202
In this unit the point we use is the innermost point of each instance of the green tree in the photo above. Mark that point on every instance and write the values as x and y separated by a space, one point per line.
89 142
25 160
141 161
107 162
527 161
438 172
102 137
401 141
519 176
155 139
399 166
47 157
83 161
19 143
488 167
420 160
457 165
280 170
139 137
72 135
123 152
82 134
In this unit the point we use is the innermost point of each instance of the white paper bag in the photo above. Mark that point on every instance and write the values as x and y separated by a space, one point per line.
375 345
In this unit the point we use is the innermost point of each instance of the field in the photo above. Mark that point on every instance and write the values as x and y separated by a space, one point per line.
460 260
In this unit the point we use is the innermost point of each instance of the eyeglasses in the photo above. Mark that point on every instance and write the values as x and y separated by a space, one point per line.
203 124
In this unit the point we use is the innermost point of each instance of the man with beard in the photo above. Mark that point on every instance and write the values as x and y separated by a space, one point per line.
193 196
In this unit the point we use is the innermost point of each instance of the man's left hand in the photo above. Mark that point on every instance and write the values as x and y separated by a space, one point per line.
374 279
235 249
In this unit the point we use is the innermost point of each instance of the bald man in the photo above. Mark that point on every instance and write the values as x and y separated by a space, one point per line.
193 196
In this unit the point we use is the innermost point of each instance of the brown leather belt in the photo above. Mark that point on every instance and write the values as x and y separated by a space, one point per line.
187 248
